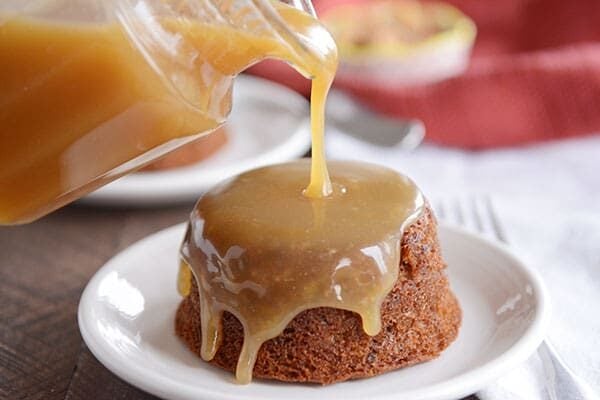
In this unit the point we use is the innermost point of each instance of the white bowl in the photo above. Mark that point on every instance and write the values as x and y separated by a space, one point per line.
437 56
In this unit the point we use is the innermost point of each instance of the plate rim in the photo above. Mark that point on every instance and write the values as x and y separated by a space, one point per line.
457 386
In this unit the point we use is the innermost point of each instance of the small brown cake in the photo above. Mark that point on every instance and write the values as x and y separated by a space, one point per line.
191 153
420 317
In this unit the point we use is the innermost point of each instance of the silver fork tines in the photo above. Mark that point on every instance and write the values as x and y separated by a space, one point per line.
477 213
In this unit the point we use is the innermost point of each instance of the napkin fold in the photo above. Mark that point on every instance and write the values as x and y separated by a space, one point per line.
534 76
547 198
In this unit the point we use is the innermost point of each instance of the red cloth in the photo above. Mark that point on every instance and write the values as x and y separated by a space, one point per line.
534 76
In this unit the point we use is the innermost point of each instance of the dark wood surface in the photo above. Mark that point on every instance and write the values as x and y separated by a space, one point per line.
44 267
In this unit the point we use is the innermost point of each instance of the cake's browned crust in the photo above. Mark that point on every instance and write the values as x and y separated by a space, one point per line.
196 151
420 318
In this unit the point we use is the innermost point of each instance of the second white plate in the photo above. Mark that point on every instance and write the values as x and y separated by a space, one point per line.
268 124
126 317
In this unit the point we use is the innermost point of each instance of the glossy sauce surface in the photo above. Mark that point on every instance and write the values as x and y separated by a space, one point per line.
264 251
80 105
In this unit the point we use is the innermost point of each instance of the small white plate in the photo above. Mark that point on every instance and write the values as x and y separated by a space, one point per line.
126 317
268 124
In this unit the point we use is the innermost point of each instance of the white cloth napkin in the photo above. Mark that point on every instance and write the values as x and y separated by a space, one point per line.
548 201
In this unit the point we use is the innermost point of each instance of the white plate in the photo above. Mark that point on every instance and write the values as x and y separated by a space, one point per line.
127 311
268 124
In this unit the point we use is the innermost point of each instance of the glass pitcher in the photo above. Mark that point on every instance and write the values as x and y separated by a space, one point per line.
92 89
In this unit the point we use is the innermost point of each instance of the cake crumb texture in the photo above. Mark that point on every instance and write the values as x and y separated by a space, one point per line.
420 318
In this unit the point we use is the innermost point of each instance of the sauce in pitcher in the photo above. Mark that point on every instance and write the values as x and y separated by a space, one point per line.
80 105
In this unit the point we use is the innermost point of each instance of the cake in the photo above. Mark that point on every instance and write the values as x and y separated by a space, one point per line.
191 153
420 316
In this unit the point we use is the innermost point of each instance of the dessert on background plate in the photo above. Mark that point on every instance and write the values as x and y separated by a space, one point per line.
191 153
269 124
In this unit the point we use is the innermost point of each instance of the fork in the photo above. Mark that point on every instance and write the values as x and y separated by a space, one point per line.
477 213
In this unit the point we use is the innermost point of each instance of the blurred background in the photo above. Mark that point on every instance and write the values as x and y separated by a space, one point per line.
532 74
492 107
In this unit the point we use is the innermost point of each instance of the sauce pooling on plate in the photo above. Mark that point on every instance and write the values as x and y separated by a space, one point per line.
264 251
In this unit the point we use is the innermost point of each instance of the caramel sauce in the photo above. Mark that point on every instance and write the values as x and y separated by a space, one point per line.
262 250
81 106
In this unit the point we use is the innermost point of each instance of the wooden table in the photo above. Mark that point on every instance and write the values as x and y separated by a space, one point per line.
44 267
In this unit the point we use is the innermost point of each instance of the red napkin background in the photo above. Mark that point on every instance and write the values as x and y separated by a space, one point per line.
534 76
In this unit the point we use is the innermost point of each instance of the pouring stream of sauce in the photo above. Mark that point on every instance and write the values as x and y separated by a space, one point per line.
264 247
